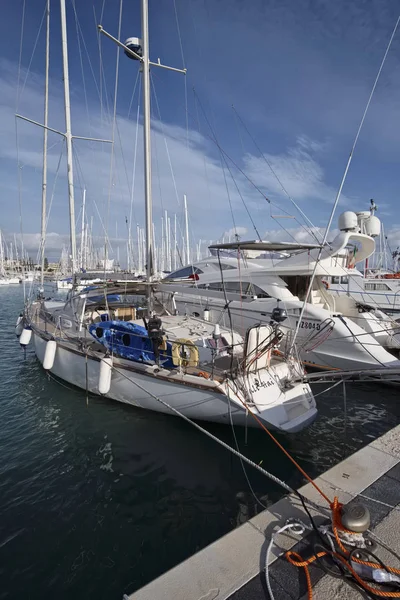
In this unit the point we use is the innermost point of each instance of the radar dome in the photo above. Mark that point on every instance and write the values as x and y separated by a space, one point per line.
348 221
372 226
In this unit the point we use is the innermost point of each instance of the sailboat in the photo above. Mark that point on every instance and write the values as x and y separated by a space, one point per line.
102 340
5 278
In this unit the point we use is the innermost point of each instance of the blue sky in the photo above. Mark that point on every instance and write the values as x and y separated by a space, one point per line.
299 73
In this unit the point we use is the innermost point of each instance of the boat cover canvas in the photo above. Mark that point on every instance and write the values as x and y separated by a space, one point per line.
130 341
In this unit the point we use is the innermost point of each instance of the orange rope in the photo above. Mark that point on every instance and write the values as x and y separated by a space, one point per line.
296 560
296 464
203 374
336 507
304 563
336 525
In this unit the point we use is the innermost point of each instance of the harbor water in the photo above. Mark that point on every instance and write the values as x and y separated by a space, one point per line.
98 498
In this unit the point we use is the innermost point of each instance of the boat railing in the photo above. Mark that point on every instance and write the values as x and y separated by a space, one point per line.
182 354
317 337
328 297
212 359
394 299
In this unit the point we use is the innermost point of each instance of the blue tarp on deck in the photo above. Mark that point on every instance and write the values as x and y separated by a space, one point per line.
130 341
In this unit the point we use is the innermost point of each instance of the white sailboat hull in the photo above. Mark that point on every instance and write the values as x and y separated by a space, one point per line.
64 285
206 403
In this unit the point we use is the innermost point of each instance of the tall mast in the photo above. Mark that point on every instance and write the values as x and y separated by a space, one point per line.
175 243
68 134
169 245
186 228
162 268
155 250
85 247
2 270
166 240
139 248
16 251
147 141
83 229
45 133
139 50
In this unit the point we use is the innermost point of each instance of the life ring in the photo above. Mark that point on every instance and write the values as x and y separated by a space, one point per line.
190 351
326 284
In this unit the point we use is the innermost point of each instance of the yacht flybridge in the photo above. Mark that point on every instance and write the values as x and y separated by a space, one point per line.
373 290
102 341
335 332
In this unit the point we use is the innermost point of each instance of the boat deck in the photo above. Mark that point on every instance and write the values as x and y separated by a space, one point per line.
177 329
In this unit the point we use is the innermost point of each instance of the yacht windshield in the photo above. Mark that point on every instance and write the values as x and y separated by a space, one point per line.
189 272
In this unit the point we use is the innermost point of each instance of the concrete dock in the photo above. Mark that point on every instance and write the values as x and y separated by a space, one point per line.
233 567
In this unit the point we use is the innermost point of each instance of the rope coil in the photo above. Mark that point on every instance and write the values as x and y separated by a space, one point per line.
345 558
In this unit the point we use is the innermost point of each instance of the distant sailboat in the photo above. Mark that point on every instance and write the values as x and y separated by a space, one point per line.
5 278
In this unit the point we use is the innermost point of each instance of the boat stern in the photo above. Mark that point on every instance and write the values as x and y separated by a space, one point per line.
279 401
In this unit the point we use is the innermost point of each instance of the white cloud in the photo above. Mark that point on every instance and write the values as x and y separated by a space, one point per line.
196 172
231 233
393 236
297 234
297 170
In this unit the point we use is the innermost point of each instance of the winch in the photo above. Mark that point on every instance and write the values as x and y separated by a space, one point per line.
156 335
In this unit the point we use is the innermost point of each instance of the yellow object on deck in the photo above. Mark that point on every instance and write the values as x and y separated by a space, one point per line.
185 353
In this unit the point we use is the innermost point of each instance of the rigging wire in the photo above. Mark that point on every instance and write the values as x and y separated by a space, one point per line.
204 160
19 167
18 96
184 67
240 457
207 433
40 249
324 240
137 80
222 157
276 175
112 157
228 194
214 139
101 68
269 475
133 174
79 171
168 156
81 64
20 54
179 34
165 142
81 41
33 51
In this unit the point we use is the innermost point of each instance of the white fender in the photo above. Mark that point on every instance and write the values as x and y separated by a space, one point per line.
19 325
105 375
49 355
25 337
